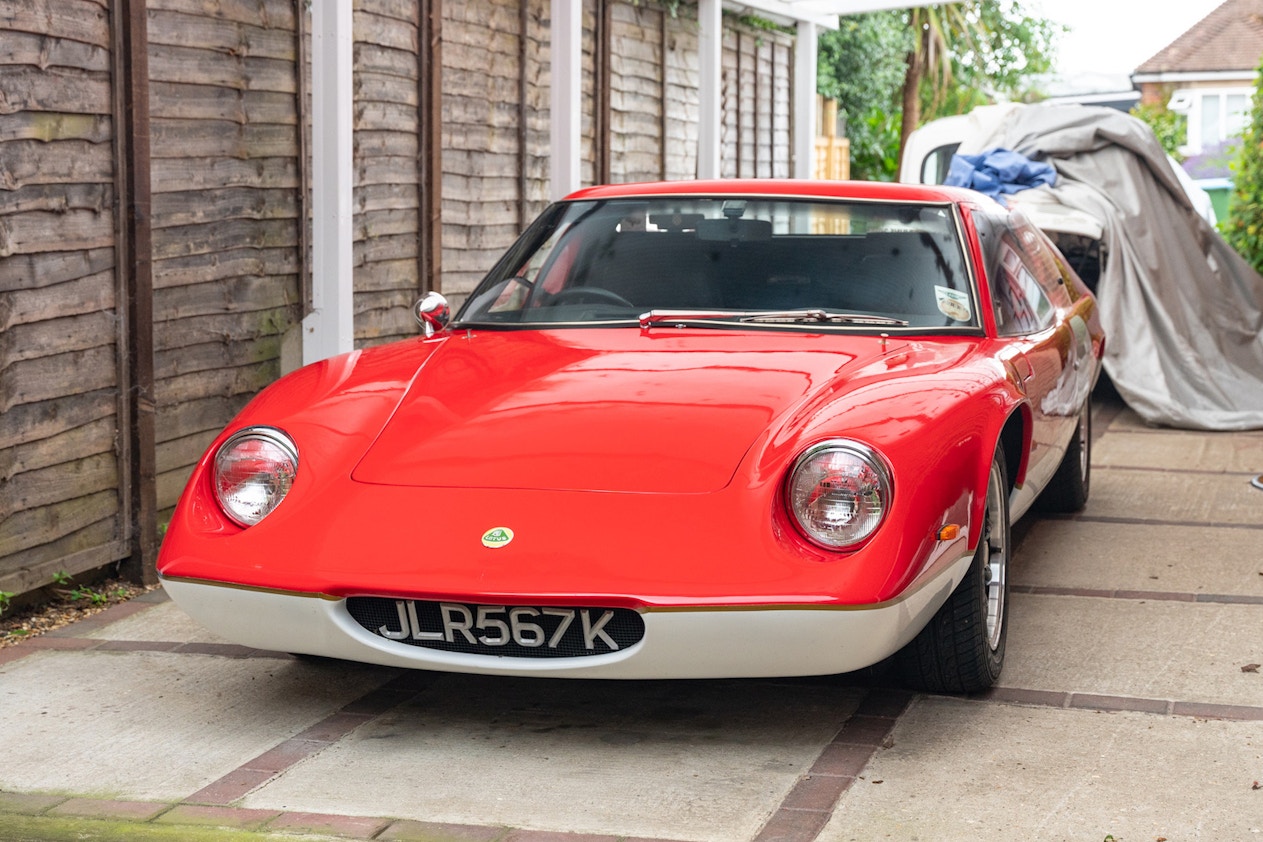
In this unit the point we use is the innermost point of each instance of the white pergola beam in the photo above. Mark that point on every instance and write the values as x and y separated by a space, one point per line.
823 13
805 100
329 328
567 68
565 114
710 94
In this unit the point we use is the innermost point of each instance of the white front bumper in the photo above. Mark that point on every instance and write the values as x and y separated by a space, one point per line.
678 643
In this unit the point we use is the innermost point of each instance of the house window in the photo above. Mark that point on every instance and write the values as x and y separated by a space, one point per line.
1214 116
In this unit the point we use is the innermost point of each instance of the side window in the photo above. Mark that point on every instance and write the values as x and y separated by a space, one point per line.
1043 261
1021 305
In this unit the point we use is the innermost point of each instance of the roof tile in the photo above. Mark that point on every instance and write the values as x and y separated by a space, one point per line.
1229 38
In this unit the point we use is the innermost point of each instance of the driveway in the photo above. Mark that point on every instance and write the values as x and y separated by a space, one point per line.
1131 706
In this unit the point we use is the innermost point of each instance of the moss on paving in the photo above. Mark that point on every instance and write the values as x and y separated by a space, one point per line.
17 828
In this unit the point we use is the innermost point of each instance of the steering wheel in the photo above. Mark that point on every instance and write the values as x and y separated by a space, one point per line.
594 294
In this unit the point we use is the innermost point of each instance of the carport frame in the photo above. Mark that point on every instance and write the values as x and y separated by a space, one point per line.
328 327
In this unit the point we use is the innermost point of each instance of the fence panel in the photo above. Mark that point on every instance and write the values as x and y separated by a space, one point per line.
63 491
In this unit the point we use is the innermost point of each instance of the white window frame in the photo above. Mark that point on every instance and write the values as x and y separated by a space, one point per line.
1191 102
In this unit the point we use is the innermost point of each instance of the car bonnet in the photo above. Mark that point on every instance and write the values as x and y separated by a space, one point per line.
610 410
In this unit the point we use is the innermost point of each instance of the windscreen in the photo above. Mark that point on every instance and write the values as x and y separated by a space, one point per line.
749 260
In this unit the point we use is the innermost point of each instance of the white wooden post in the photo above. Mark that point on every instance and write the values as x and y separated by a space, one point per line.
567 78
805 100
329 329
710 48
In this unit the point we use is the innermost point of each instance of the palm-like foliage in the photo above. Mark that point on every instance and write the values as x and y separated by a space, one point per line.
940 33
968 53
891 70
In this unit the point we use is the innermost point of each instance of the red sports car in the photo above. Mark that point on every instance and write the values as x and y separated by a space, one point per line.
710 429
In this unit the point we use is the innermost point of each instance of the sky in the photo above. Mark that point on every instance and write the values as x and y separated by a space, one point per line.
1116 36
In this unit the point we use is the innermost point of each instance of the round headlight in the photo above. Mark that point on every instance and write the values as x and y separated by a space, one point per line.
838 493
254 470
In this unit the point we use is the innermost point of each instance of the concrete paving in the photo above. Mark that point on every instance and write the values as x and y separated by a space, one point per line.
959 770
708 761
1130 706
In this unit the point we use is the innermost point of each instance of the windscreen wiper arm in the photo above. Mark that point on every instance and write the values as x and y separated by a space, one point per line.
678 317
658 317
824 317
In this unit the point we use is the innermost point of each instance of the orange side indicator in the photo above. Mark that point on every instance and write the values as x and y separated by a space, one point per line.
950 532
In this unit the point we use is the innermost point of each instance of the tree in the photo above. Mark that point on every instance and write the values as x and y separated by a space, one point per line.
1013 49
970 54
928 63
889 70
1170 128
861 66
1244 230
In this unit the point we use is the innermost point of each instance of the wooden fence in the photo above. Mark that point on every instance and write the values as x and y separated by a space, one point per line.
833 150
64 489
154 198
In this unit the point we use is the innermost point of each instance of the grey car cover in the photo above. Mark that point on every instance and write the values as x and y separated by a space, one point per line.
1183 312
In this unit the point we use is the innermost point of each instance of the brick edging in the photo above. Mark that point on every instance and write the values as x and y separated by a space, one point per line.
1141 596
1120 704
809 804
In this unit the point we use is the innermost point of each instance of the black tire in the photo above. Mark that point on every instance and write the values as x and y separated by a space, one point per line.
1068 490
961 650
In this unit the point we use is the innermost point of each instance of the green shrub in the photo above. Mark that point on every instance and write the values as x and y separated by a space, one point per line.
1244 229
1170 128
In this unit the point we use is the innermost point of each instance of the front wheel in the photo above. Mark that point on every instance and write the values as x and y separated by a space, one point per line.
961 650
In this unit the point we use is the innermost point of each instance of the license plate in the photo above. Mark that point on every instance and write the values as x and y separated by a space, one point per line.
516 631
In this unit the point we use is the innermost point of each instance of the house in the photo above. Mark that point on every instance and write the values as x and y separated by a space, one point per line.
1209 75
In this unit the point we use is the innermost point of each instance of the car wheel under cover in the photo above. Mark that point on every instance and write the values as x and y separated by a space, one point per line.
961 650
1068 490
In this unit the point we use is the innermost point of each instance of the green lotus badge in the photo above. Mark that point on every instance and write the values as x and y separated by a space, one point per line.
497 537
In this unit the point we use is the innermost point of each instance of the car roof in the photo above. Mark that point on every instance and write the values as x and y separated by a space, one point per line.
786 188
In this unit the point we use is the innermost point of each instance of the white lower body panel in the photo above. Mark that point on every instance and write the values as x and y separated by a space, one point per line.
706 642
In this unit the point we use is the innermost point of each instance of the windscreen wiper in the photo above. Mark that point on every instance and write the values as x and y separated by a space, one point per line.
815 316
824 317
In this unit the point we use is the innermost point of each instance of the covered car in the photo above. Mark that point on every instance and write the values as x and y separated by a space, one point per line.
1183 310
680 430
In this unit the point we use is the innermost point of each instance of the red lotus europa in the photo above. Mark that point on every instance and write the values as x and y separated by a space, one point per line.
681 430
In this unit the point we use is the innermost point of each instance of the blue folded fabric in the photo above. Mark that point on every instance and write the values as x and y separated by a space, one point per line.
998 171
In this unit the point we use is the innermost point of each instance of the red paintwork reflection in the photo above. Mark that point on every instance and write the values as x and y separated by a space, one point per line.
611 410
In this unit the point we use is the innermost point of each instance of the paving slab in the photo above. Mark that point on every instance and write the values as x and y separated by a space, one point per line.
704 761
962 771
1137 648
1140 557
165 621
1140 494
1124 418
1179 450
151 726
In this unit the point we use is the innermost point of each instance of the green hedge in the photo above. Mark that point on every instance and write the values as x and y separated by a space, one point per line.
1244 230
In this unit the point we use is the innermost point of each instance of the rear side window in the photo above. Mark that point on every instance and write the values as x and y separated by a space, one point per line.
1027 284
1021 305
1044 262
